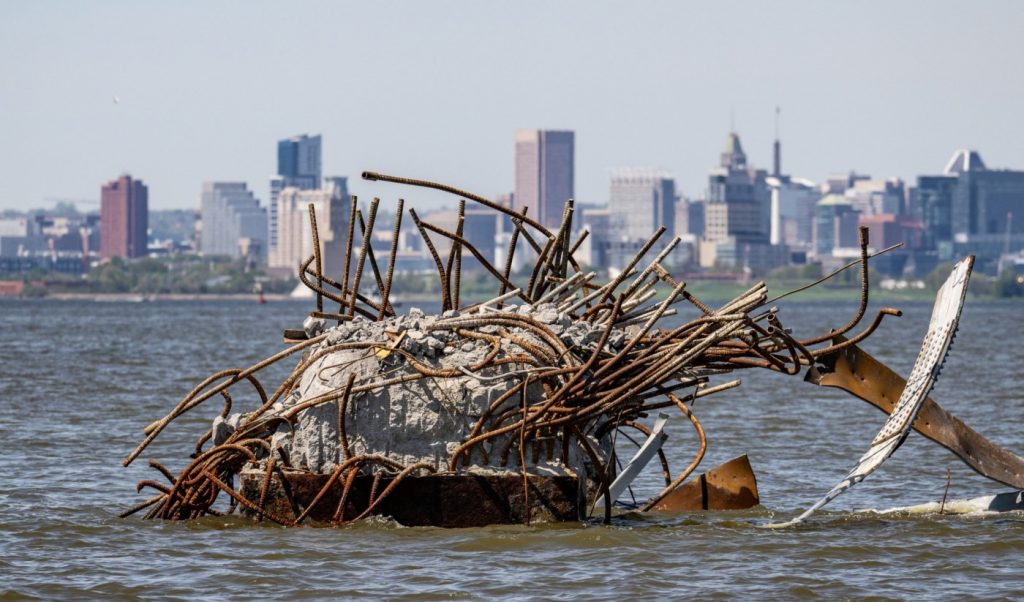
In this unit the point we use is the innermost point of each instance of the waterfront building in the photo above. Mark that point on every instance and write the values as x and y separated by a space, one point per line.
597 220
835 227
739 200
840 183
232 220
792 211
689 217
336 185
933 207
971 209
19 236
737 215
545 172
877 197
641 200
298 166
480 228
295 242
124 215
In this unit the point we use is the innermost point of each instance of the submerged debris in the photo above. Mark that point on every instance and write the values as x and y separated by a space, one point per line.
501 411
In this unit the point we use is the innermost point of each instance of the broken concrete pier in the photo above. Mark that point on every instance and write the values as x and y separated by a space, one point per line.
516 409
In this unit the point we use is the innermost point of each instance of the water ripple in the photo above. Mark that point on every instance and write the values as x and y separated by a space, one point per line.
87 377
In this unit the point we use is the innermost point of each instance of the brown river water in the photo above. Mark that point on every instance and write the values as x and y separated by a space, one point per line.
79 380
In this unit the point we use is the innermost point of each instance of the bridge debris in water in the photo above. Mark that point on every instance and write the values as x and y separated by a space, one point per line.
511 410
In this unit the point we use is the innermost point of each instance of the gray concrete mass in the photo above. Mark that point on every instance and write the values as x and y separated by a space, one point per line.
424 419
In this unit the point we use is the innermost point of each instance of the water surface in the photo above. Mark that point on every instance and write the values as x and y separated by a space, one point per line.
79 380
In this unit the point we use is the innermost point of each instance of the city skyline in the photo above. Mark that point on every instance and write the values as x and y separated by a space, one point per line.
898 108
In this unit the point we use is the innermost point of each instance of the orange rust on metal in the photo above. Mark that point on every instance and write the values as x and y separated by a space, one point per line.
856 372
295 335
731 486
438 500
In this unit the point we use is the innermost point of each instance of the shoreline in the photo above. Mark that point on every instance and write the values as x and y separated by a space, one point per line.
138 298
713 292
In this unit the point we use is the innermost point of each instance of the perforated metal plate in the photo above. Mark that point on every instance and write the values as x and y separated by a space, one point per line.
945 316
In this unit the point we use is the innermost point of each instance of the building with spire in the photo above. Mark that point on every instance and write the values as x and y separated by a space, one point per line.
737 215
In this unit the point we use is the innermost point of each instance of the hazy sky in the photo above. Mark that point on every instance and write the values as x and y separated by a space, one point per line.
437 89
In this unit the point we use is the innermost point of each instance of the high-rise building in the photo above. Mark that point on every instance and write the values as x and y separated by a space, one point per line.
835 227
295 240
877 197
298 166
737 215
232 220
336 185
739 201
481 228
124 218
689 217
971 209
641 200
933 207
545 167
792 211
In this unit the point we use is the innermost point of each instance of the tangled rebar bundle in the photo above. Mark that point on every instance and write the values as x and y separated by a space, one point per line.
536 380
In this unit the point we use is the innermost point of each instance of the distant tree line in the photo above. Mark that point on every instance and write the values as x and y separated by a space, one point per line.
182 274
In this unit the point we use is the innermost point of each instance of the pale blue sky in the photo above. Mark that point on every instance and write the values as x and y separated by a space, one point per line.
437 89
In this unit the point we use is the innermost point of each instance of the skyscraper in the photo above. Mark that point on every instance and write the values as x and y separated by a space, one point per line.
737 215
295 240
835 227
545 172
641 200
298 166
231 216
124 218
934 209
972 209
739 201
792 210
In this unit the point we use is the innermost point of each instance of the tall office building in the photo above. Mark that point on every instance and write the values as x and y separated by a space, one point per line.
298 166
641 200
835 227
234 224
877 197
481 228
739 201
124 218
971 209
933 207
792 210
737 215
295 240
336 185
545 168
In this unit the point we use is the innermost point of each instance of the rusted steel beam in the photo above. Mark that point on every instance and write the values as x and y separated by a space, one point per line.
446 500
855 371
731 486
